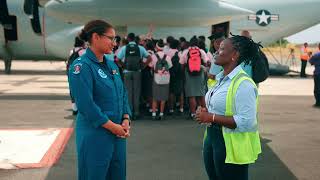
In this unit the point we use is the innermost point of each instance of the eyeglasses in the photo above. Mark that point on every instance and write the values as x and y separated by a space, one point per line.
113 39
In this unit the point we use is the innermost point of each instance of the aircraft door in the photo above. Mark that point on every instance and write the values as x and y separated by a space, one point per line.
221 28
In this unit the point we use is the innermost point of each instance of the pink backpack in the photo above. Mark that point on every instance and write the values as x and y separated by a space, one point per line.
194 61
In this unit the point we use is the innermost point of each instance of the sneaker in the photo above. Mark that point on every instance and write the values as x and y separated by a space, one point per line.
153 116
171 112
193 117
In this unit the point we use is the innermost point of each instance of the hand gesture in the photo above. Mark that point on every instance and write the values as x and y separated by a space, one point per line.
126 127
202 116
118 130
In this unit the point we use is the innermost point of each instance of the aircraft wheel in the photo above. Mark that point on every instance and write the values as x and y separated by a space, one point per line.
7 65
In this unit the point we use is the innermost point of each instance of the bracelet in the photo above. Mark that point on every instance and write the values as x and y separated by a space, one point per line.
126 118
213 115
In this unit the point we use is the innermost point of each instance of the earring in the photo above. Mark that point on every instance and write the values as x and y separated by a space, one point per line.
232 59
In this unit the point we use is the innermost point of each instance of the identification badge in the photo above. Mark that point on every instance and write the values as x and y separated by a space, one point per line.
102 74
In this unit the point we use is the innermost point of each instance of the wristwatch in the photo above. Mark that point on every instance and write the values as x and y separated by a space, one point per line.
127 119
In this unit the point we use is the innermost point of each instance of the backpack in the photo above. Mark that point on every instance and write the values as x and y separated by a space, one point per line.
161 71
194 61
260 68
132 58
72 57
176 69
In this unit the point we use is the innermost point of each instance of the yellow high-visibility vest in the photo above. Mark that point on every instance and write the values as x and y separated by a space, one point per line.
241 147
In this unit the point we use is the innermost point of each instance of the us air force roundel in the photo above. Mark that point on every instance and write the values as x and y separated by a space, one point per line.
263 17
102 74
77 68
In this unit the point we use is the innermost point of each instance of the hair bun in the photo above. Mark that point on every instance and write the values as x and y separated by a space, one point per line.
160 43
83 35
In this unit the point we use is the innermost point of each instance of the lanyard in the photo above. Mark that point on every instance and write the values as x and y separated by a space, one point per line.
214 90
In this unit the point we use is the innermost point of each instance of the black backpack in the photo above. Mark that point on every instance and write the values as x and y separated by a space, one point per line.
260 68
72 57
161 64
132 58
176 69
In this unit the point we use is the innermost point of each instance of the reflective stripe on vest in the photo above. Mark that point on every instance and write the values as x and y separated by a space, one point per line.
241 147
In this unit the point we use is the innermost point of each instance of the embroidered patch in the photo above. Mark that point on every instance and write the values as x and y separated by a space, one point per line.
77 68
102 74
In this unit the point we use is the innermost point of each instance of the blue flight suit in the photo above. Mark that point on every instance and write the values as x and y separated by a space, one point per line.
100 96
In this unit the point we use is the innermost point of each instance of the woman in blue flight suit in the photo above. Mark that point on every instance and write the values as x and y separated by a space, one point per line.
102 124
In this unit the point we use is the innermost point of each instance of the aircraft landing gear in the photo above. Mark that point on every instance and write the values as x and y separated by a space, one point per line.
7 65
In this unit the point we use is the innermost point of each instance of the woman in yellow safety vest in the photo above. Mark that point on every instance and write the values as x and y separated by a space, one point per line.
232 141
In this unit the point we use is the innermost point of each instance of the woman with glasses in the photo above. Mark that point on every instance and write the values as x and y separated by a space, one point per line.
232 141
103 123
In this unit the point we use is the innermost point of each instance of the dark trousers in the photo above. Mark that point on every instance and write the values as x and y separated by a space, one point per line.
132 81
214 155
303 68
316 90
71 97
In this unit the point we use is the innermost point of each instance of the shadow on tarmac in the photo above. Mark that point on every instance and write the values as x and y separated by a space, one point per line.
171 150
36 72
34 97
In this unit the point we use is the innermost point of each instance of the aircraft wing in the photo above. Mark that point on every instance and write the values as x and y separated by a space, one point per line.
145 12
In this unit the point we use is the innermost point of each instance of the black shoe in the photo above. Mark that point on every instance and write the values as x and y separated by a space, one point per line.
154 118
193 117
180 113
74 113
160 118
316 105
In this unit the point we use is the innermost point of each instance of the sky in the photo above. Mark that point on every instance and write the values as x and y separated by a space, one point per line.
310 35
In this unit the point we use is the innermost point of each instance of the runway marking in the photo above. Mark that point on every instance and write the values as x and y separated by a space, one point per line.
32 148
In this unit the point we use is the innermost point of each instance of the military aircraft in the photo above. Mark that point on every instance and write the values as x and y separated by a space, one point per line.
45 29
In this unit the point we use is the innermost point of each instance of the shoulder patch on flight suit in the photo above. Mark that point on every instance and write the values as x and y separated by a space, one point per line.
102 74
77 68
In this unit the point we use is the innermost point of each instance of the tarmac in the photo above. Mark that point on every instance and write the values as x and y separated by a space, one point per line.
35 95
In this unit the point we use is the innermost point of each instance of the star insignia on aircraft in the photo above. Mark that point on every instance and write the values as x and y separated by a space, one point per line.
263 17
